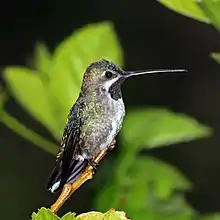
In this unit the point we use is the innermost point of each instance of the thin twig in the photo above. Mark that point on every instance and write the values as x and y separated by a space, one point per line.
69 189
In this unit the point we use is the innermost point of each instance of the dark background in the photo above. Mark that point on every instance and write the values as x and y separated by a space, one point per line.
152 36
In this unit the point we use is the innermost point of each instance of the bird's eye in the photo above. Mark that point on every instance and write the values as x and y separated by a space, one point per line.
108 74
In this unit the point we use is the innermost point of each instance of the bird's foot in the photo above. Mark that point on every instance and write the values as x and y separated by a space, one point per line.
69 189
93 164
112 145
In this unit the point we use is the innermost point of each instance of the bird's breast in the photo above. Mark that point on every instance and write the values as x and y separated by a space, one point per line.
103 123
114 116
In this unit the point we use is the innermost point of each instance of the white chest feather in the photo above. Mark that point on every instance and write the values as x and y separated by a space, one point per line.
117 115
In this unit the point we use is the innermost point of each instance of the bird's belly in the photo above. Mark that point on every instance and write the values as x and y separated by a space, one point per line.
103 130
112 130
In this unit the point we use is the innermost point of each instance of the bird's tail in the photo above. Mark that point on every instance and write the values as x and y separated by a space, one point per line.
60 176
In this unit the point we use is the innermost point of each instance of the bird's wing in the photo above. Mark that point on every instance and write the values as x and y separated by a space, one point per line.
65 163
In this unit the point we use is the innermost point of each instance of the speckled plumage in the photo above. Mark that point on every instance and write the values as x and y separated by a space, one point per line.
93 123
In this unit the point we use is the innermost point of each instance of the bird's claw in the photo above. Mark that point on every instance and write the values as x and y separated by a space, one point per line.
112 145
93 164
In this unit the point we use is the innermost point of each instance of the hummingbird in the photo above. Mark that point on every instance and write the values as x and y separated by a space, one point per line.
93 121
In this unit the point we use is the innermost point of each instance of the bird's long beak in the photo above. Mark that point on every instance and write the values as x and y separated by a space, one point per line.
137 73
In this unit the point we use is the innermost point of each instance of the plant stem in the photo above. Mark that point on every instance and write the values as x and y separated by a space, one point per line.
27 133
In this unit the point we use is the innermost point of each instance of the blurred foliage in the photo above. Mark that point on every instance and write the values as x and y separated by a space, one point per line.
188 8
203 10
48 92
46 214
211 8
144 187
161 126
215 216
216 57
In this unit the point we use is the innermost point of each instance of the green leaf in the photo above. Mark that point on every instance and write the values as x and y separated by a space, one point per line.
43 61
63 94
86 45
188 8
26 86
109 215
162 177
216 57
211 9
173 208
90 215
3 98
20 129
215 216
149 174
153 127
44 214
114 215
148 188
74 54
139 179
69 216
108 196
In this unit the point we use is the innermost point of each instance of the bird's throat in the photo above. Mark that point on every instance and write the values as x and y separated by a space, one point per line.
115 90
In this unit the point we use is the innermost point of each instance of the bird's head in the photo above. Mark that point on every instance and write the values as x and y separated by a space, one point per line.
106 75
